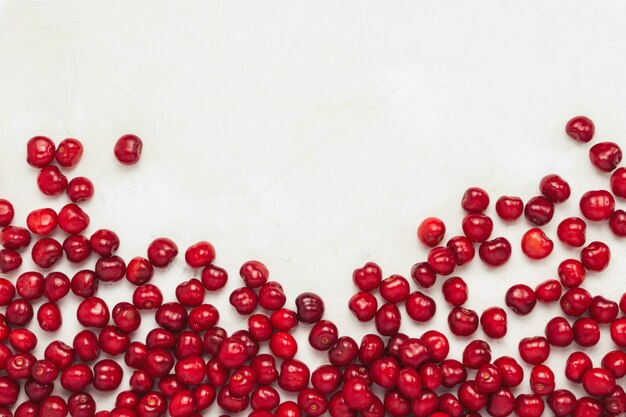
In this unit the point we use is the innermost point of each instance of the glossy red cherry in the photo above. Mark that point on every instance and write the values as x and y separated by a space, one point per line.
617 223
147 297
559 332
441 260
598 382
618 182
488 378
69 152
76 248
495 252
111 269
575 302
284 319
323 335
105 242
86 345
22 340
190 293
161 252
79 189
139 271
494 322
576 365
310 307
597 205
49 317
521 299
431 231
595 256
536 245
586 331
462 321
476 354
357 394
534 350
294 375
42 221
388 319
128 149
571 273
542 380
51 181
394 289
471 397
93 312
343 352
420 307
14 237
618 332
555 188
477 227
615 362
437 344
462 248
510 371
76 378
605 156
7 212
475 200
241 382
396 404
10 260
46 252
455 291
572 231
283 345
82 405
200 254
363 305
561 402
580 128
603 310
372 348
40 151
244 300
368 277
501 403
527 405
423 275
548 291
539 210
509 208
107 375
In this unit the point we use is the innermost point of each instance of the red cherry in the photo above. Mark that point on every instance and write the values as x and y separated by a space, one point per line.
475 200
509 208
536 245
431 231
605 156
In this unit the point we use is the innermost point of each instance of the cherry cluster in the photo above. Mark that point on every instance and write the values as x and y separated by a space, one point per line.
187 362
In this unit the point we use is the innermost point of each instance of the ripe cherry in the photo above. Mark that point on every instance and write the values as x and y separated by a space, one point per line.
462 248
597 205
437 344
462 321
14 237
39 151
561 402
139 271
539 210
128 149
536 245
475 200
598 382
577 364
615 362
368 277
420 307
595 256
603 310
571 231
605 156
372 348
363 305
310 307
105 242
476 354
51 181
477 227
571 273
357 394
580 128
323 335
80 189
575 302
388 319
431 231
46 252
559 332
471 397
110 269
441 260
7 212
423 274
542 380
509 208
93 312
161 252
534 350
10 260
488 378
394 289
617 223
521 299
283 345
42 221
555 188
344 351
618 182
511 372
294 375
69 152
455 291
549 291
495 252
618 332
494 322
501 403
107 375
284 319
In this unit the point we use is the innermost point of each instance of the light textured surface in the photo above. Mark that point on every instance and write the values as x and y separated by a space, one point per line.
315 136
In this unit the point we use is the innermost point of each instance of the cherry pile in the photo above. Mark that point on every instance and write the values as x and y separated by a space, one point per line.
187 362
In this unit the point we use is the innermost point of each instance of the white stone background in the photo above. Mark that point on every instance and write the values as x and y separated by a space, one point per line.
316 135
